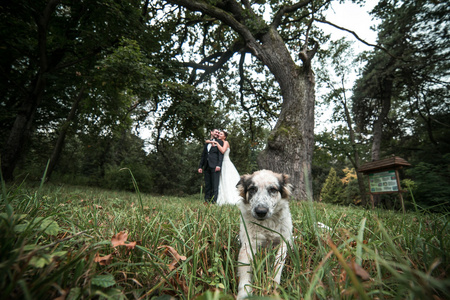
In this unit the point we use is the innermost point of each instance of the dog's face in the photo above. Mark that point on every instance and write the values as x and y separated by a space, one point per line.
263 191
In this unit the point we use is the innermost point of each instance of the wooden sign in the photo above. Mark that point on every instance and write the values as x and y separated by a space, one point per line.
383 182
383 176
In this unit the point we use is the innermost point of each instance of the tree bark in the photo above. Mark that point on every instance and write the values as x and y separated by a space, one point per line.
62 135
291 143
385 98
20 132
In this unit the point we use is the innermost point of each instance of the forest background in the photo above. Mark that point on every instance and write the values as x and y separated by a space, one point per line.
81 80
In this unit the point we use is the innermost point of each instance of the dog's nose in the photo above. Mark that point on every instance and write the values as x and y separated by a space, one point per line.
261 211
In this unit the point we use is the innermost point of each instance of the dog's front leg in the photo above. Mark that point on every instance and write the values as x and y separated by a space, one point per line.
279 261
244 272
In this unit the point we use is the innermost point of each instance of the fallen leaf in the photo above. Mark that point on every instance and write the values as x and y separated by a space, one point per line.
103 260
119 239
363 274
177 257
130 245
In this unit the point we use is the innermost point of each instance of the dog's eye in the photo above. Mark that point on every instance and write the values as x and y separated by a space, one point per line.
252 190
273 190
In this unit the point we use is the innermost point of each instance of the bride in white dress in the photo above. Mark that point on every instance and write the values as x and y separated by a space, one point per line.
229 176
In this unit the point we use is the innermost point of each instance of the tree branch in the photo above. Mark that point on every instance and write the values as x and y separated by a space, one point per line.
209 69
287 9
357 37
226 16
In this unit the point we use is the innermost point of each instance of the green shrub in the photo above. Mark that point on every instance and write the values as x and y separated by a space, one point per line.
333 189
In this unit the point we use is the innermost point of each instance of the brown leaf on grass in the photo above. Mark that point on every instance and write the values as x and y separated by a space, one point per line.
177 257
131 245
120 239
359 271
98 206
103 260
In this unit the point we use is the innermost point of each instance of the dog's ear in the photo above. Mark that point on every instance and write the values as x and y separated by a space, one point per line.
242 186
285 186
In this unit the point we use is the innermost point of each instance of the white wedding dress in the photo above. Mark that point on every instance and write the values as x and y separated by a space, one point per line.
229 177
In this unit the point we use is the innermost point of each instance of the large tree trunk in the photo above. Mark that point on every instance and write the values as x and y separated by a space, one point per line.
290 144
20 131
385 97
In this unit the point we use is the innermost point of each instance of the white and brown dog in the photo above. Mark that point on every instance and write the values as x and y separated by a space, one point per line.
264 205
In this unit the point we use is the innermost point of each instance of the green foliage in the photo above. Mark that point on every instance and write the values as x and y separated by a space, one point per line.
34 262
174 168
333 189
412 73
352 193
100 54
410 81
432 184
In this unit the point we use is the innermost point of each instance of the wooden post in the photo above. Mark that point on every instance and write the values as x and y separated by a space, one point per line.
372 200
400 190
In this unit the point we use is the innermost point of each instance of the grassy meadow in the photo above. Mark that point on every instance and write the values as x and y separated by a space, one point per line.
71 242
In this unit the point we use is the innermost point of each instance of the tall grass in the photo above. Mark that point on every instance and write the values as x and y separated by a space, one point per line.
55 241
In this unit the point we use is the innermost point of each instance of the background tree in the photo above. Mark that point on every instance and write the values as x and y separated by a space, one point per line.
413 71
342 60
333 189
98 85
403 93
229 28
57 38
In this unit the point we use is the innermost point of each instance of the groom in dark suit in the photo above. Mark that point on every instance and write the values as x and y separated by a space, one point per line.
210 165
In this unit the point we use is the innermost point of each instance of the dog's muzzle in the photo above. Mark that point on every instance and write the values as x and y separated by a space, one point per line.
260 212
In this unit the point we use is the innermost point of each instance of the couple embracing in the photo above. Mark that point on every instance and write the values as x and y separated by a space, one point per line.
220 174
